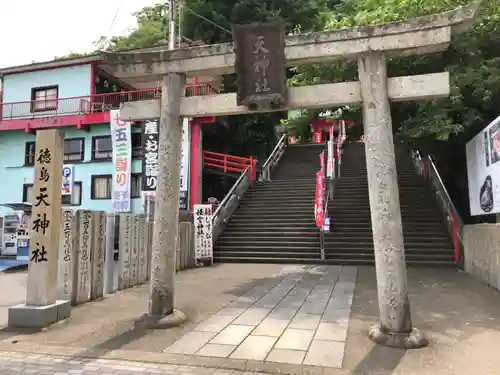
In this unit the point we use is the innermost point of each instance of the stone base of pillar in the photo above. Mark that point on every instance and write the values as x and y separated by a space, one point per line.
176 318
413 340
24 316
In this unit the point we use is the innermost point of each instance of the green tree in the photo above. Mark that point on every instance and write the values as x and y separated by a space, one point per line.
238 135
441 127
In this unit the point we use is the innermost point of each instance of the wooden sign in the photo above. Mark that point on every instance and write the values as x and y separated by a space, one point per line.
68 246
98 249
260 65
41 288
124 251
84 254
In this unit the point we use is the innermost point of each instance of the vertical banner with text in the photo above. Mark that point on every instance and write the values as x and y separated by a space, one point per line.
319 196
150 139
122 162
185 160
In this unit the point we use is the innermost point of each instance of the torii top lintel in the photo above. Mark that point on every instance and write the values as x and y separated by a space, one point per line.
415 36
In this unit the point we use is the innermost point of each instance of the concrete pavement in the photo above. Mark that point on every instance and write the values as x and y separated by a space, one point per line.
12 292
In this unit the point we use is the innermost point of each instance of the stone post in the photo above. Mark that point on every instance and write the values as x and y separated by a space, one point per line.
134 251
97 258
84 254
143 248
68 245
124 251
42 307
109 282
166 228
395 327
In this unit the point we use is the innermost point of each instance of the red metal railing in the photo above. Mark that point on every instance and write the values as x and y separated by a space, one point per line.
229 163
80 105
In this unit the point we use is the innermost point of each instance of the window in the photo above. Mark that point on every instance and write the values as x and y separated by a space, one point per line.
75 199
101 186
102 148
27 193
136 185
136 145
74 149
44 98
29 153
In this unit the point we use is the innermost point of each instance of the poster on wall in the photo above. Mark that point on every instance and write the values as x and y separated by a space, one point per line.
483 170
203 243
184 200
121 138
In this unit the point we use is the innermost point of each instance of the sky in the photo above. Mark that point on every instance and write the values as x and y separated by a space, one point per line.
39 30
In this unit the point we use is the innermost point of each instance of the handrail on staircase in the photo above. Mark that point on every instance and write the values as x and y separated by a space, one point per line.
426 168
329 185
230 202
274 158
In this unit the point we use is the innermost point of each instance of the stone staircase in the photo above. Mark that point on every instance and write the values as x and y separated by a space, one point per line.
275 220
427 242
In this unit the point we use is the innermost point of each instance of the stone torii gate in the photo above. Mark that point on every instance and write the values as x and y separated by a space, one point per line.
371 46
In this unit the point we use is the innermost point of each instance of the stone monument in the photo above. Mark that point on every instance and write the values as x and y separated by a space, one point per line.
42 307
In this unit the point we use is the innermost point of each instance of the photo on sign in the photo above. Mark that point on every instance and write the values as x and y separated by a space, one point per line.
483 170
494 135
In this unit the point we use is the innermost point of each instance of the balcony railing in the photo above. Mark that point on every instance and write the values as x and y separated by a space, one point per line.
81 105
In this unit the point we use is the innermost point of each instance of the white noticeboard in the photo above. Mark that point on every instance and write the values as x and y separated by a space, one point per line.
483 170
203 240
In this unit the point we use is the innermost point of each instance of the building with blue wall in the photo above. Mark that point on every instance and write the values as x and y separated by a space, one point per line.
76 96
92 164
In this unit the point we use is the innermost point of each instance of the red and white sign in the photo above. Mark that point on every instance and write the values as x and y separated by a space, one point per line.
330 159
319 199
317 137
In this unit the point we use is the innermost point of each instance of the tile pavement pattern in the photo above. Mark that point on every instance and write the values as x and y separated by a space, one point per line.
23 364
299 317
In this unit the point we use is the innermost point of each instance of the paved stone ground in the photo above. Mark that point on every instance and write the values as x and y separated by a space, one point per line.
21 364
300 317
460 315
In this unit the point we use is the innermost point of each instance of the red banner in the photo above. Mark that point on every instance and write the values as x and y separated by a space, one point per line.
319 198
317 137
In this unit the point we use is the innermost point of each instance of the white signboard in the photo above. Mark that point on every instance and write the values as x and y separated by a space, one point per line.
203 232
122 162
483 170
185 164
68 173
329 162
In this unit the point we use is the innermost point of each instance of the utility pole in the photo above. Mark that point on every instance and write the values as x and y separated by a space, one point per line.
171 15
